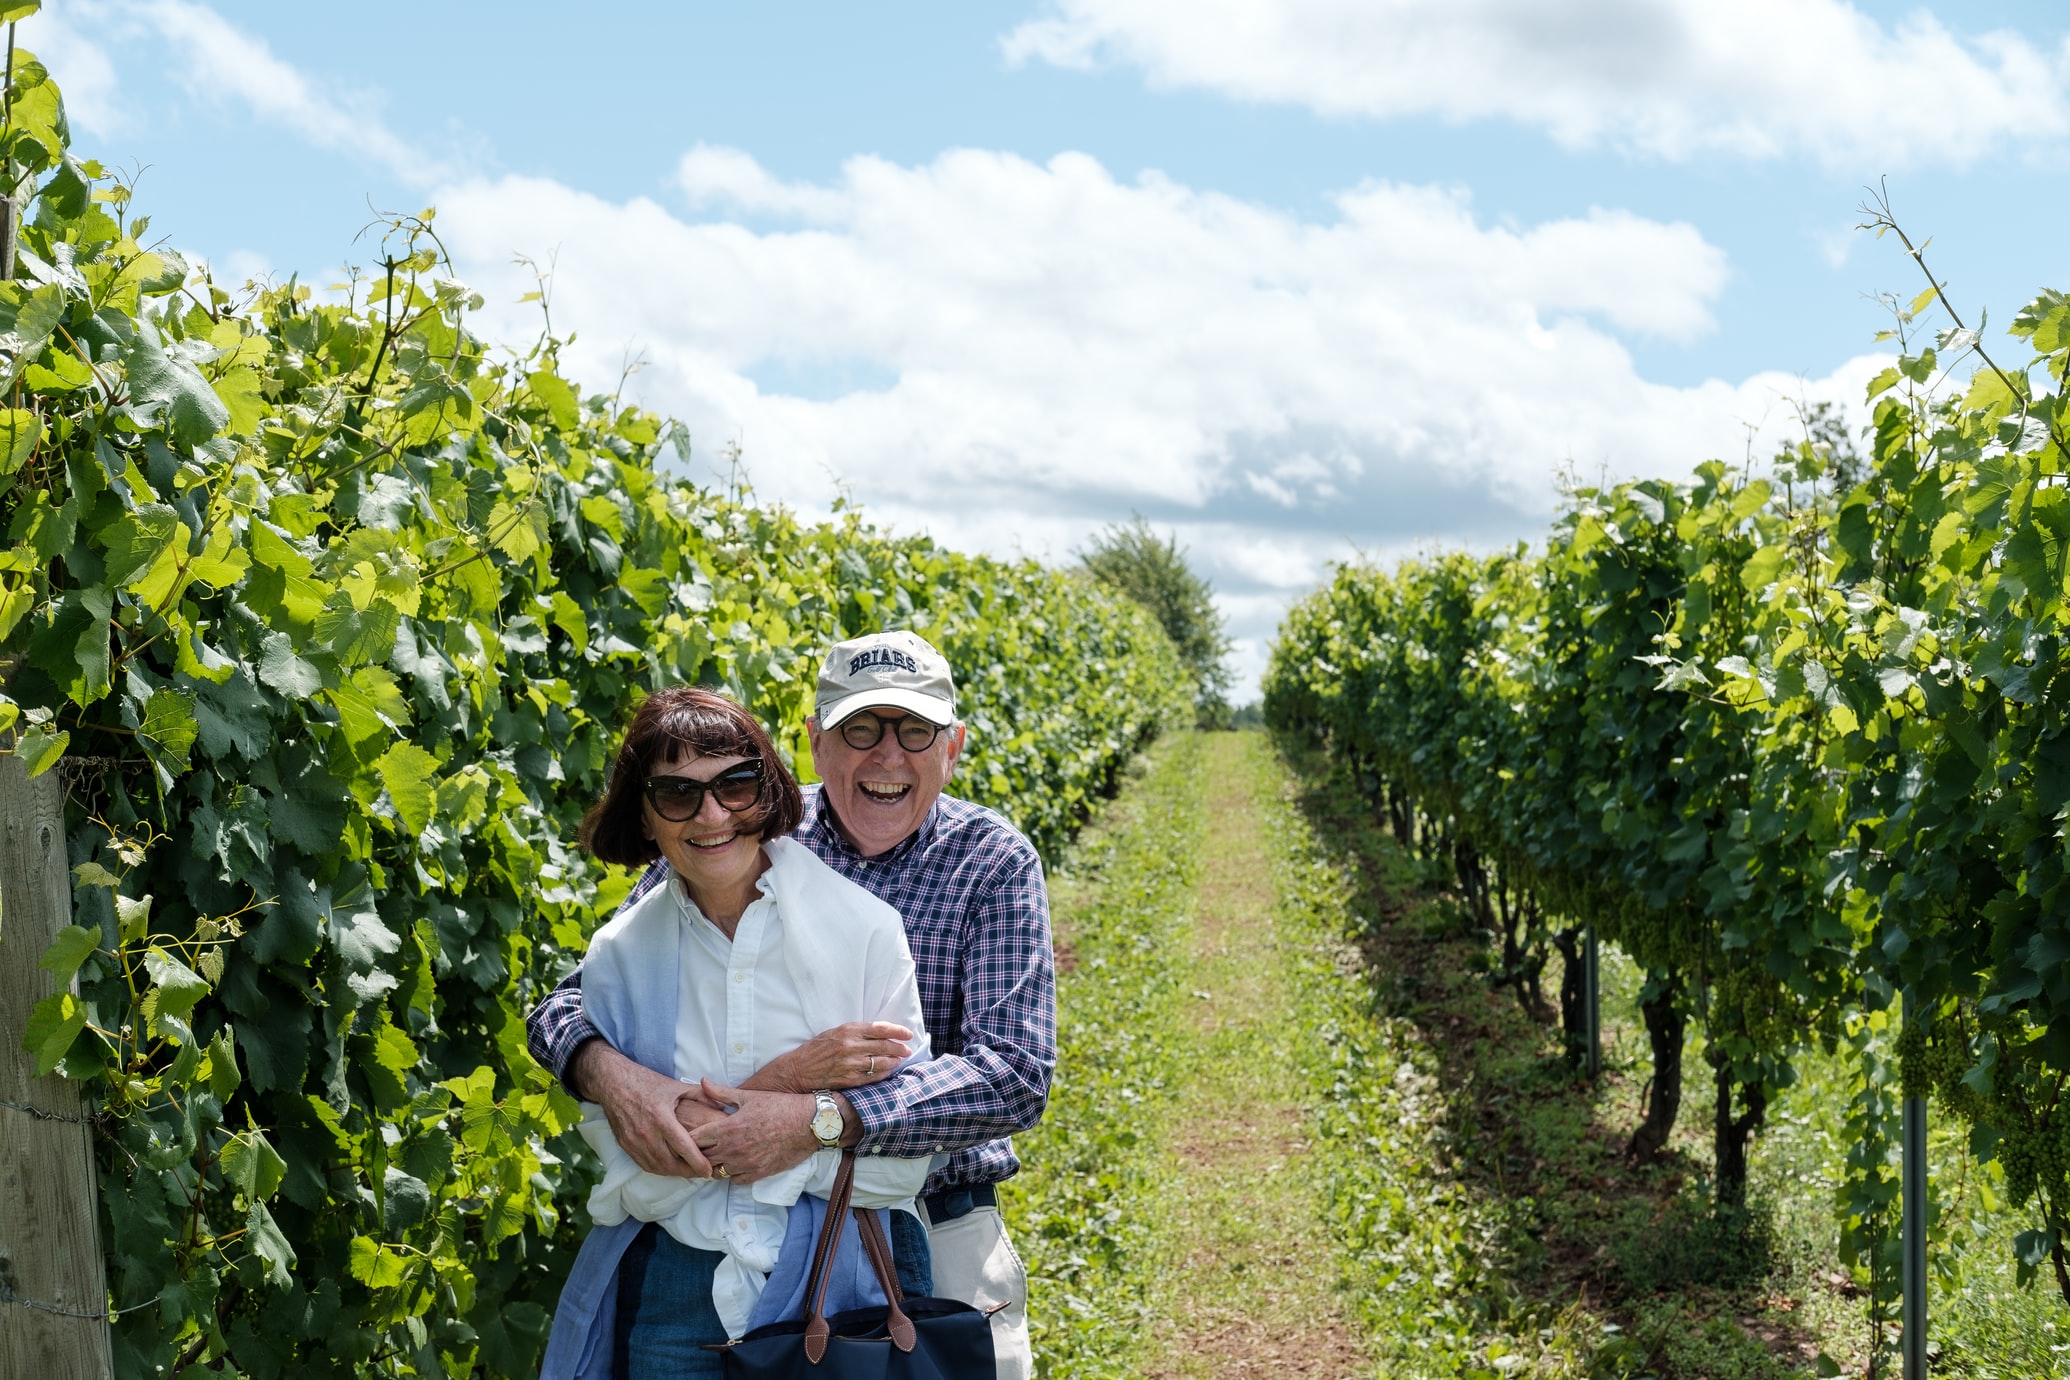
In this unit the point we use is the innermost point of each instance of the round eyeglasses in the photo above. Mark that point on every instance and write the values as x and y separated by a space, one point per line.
677 798
865 730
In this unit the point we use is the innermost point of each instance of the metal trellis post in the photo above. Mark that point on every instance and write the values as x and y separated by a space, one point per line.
1592 1001
1914 1176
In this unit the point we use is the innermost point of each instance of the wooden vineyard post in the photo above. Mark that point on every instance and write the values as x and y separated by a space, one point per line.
1914 1227
53 1284
1592 1000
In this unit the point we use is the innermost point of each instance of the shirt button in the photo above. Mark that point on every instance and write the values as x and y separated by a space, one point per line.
738 1047
937 1147
741 1222
740 977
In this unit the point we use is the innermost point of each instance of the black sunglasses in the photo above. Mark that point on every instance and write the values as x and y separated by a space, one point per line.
865 730
678 798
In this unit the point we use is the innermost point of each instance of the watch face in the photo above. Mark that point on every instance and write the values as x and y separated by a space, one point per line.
826 1124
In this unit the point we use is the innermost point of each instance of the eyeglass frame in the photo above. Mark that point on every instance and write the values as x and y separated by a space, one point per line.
934 731
755 767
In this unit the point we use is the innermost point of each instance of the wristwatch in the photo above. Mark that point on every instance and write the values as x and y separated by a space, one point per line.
826 1120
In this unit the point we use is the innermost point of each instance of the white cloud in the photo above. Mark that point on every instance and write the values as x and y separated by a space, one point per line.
1670 78
83 70
727 177
1061 347
218 63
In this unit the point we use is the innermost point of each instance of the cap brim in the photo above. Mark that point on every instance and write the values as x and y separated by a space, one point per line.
912 701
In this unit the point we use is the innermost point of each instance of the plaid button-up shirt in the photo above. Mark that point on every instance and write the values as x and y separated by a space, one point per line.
970 889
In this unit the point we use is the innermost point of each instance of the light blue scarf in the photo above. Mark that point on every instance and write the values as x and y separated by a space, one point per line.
641 1024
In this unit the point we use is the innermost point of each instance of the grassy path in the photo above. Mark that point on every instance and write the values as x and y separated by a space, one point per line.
1241 1170
1247 1265
1236 1174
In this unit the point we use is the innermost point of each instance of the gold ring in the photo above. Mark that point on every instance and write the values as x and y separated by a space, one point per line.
873 1066
720 1171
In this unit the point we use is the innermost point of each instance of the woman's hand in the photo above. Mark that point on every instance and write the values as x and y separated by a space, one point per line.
768 1132
847 1056
693 1109
642 1107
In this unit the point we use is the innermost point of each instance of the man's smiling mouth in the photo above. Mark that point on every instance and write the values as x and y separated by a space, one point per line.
884 791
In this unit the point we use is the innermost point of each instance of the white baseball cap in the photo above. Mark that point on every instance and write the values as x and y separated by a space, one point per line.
888 670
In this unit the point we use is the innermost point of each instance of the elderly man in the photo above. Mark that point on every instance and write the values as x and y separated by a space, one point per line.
885 739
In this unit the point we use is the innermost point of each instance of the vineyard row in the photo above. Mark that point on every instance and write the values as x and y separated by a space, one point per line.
1798 742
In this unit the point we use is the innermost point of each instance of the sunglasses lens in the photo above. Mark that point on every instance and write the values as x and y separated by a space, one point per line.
738 790
677 798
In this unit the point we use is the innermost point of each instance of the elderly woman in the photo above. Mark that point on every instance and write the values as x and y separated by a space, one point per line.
752 948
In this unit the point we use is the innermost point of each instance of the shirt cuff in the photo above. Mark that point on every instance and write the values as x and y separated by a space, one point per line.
879 1107
568 1044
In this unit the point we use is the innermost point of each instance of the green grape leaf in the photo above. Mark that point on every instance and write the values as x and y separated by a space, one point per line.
558 398
179 987
405 1201
244 402
132 917
222 1065
568 617
264 1236
518 530
19 434
406 772
354 636
169 723
1752 499
375 1265
169 392
286 672
71 947
93 874
463 798
252 1165
14 602
40 748
138 539
54 1023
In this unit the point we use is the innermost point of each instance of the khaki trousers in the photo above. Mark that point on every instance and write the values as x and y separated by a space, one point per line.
975 1262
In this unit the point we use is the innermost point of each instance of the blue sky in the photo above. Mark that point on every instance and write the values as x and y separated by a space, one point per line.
1298 279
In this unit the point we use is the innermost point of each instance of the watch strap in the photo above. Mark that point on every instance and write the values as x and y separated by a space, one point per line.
822 1104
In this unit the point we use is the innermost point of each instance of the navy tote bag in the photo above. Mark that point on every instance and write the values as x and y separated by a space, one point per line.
908 1339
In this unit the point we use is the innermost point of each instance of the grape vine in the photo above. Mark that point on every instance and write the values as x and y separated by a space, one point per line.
329 612
1798 741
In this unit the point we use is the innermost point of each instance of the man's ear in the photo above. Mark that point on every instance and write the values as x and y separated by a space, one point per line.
812 737
956 737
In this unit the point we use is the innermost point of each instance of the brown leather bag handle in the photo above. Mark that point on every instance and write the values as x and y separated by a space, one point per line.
871 1232
816 1330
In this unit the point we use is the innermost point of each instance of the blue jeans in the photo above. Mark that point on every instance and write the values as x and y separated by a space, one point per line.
665 1313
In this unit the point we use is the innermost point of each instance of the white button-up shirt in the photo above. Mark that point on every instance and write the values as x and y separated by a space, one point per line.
741 1004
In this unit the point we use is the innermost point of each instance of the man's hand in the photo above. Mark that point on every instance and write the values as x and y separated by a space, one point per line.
641 1106
847 1056
694 1111
769 1133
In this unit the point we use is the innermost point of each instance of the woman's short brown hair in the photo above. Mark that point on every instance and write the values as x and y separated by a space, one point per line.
668 725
